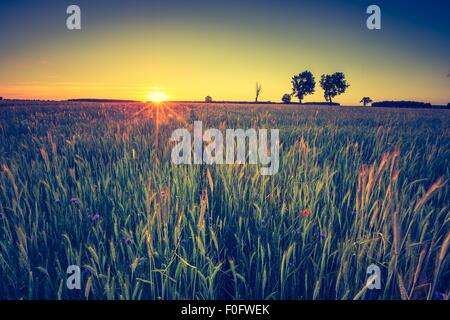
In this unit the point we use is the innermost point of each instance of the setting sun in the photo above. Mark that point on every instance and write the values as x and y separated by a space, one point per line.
157 97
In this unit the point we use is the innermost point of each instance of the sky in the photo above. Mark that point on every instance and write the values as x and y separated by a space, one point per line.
190 49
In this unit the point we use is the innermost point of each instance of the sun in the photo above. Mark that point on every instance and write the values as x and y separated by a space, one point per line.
157 97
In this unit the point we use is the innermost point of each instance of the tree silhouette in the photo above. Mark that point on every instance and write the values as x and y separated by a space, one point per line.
303 84
286 98
208 99
365 101
258 91
333 85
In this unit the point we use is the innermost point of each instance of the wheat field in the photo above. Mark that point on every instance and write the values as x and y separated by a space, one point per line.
92 184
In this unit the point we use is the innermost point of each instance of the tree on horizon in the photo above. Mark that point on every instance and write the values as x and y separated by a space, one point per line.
333 85
303 84
366 100
286 98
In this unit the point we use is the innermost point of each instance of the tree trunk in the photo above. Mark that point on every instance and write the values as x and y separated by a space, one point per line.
331 101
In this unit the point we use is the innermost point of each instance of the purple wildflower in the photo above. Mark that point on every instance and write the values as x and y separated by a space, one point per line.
74 201
263 222
95 218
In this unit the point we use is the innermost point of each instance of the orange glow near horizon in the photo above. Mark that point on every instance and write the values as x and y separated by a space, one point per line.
157 97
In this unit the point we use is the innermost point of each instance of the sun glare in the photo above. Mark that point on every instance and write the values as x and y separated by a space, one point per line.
157 97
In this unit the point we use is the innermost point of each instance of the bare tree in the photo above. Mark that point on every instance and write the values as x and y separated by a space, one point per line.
258 91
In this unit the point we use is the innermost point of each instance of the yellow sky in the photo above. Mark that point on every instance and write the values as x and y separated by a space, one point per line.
129 61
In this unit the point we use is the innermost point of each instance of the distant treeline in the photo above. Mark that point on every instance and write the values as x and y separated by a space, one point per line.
264 102
408 104
321 103
197 101
100 100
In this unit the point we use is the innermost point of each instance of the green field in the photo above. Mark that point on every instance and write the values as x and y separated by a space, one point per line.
86 184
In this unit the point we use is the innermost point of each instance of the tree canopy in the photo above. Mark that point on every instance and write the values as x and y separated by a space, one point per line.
333 85
303 84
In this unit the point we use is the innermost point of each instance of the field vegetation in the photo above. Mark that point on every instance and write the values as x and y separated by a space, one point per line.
89 184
